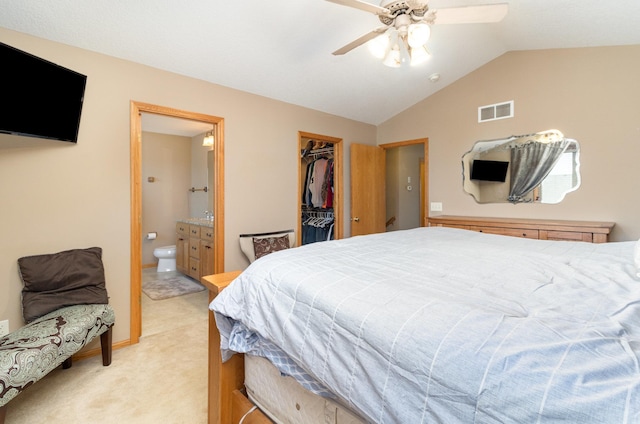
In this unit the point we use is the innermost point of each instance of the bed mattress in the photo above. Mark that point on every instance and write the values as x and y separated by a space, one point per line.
285 401
446 325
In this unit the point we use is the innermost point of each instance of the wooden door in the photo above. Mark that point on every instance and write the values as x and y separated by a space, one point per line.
368 207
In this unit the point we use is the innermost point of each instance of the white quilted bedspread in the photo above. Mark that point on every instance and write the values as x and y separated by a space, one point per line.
452 326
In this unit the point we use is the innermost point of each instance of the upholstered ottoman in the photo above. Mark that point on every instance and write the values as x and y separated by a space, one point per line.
31 352
65 306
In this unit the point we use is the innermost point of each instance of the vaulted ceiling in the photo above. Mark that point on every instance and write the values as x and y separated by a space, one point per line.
282 48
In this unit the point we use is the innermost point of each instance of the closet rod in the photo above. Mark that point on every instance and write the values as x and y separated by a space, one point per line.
318 152
316 213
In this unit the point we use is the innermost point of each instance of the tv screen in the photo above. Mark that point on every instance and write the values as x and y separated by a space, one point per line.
489 170
39 98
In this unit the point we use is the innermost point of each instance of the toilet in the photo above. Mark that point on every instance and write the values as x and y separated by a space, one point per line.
166 258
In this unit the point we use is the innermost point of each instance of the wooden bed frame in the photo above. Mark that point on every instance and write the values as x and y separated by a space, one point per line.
227 400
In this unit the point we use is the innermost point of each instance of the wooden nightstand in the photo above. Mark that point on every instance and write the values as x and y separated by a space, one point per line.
217 282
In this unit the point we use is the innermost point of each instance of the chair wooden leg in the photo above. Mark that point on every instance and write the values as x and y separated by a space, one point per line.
67 363
105 344
3 413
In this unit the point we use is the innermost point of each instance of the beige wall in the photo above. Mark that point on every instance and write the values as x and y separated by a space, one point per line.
168 160
589 94
58 196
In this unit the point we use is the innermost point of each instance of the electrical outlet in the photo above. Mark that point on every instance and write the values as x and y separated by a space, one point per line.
4 327
436 206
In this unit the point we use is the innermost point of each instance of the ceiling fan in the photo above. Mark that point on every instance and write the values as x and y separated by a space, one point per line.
406 29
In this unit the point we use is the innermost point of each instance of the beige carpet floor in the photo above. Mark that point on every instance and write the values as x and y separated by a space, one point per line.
162 379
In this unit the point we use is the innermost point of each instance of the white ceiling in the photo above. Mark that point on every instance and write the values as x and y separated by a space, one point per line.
176 126
282 48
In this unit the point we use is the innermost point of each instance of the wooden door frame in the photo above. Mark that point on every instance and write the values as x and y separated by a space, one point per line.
137 108
424 184
338 203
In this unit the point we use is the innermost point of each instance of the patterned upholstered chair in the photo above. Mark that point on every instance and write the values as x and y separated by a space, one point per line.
65 306
255 246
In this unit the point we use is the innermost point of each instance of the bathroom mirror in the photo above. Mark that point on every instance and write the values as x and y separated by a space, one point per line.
532 168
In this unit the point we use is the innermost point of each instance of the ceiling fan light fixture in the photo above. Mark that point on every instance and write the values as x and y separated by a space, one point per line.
407 25
419 55
405 50
393 59
418 35
379 46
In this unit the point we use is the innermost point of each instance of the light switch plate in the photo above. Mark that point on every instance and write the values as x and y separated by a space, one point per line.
4 327
436 206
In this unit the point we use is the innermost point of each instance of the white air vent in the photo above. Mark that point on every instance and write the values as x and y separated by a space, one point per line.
496 111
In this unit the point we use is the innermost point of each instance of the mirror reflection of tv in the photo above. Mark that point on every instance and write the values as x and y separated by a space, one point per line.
39 98
489 170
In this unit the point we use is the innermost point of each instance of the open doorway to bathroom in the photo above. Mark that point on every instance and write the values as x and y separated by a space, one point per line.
155 131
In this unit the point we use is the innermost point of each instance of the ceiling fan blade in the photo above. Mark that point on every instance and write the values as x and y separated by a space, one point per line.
362 5
359 41
487 13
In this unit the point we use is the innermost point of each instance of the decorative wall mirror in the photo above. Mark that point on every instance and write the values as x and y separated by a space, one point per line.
533 168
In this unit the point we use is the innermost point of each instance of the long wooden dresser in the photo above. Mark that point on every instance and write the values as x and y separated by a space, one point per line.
543 229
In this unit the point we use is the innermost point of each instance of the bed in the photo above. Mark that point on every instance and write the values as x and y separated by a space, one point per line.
446 325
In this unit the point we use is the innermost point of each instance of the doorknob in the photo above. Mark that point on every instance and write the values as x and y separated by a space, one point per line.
356 219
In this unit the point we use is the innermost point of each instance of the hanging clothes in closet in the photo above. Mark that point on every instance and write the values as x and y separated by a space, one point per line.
317 226
317 197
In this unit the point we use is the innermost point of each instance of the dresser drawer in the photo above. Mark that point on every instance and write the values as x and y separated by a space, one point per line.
566 235
461 227
513 232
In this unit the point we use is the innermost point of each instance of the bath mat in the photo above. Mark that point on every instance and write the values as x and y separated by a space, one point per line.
170 287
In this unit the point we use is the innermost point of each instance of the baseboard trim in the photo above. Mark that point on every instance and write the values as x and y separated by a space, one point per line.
98 351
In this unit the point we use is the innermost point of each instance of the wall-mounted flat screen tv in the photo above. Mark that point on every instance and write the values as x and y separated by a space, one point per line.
489 170
39 98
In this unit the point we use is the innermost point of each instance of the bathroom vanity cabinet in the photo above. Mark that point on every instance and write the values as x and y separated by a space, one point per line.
194 249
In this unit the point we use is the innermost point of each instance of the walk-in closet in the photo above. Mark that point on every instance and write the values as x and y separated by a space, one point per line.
320 188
